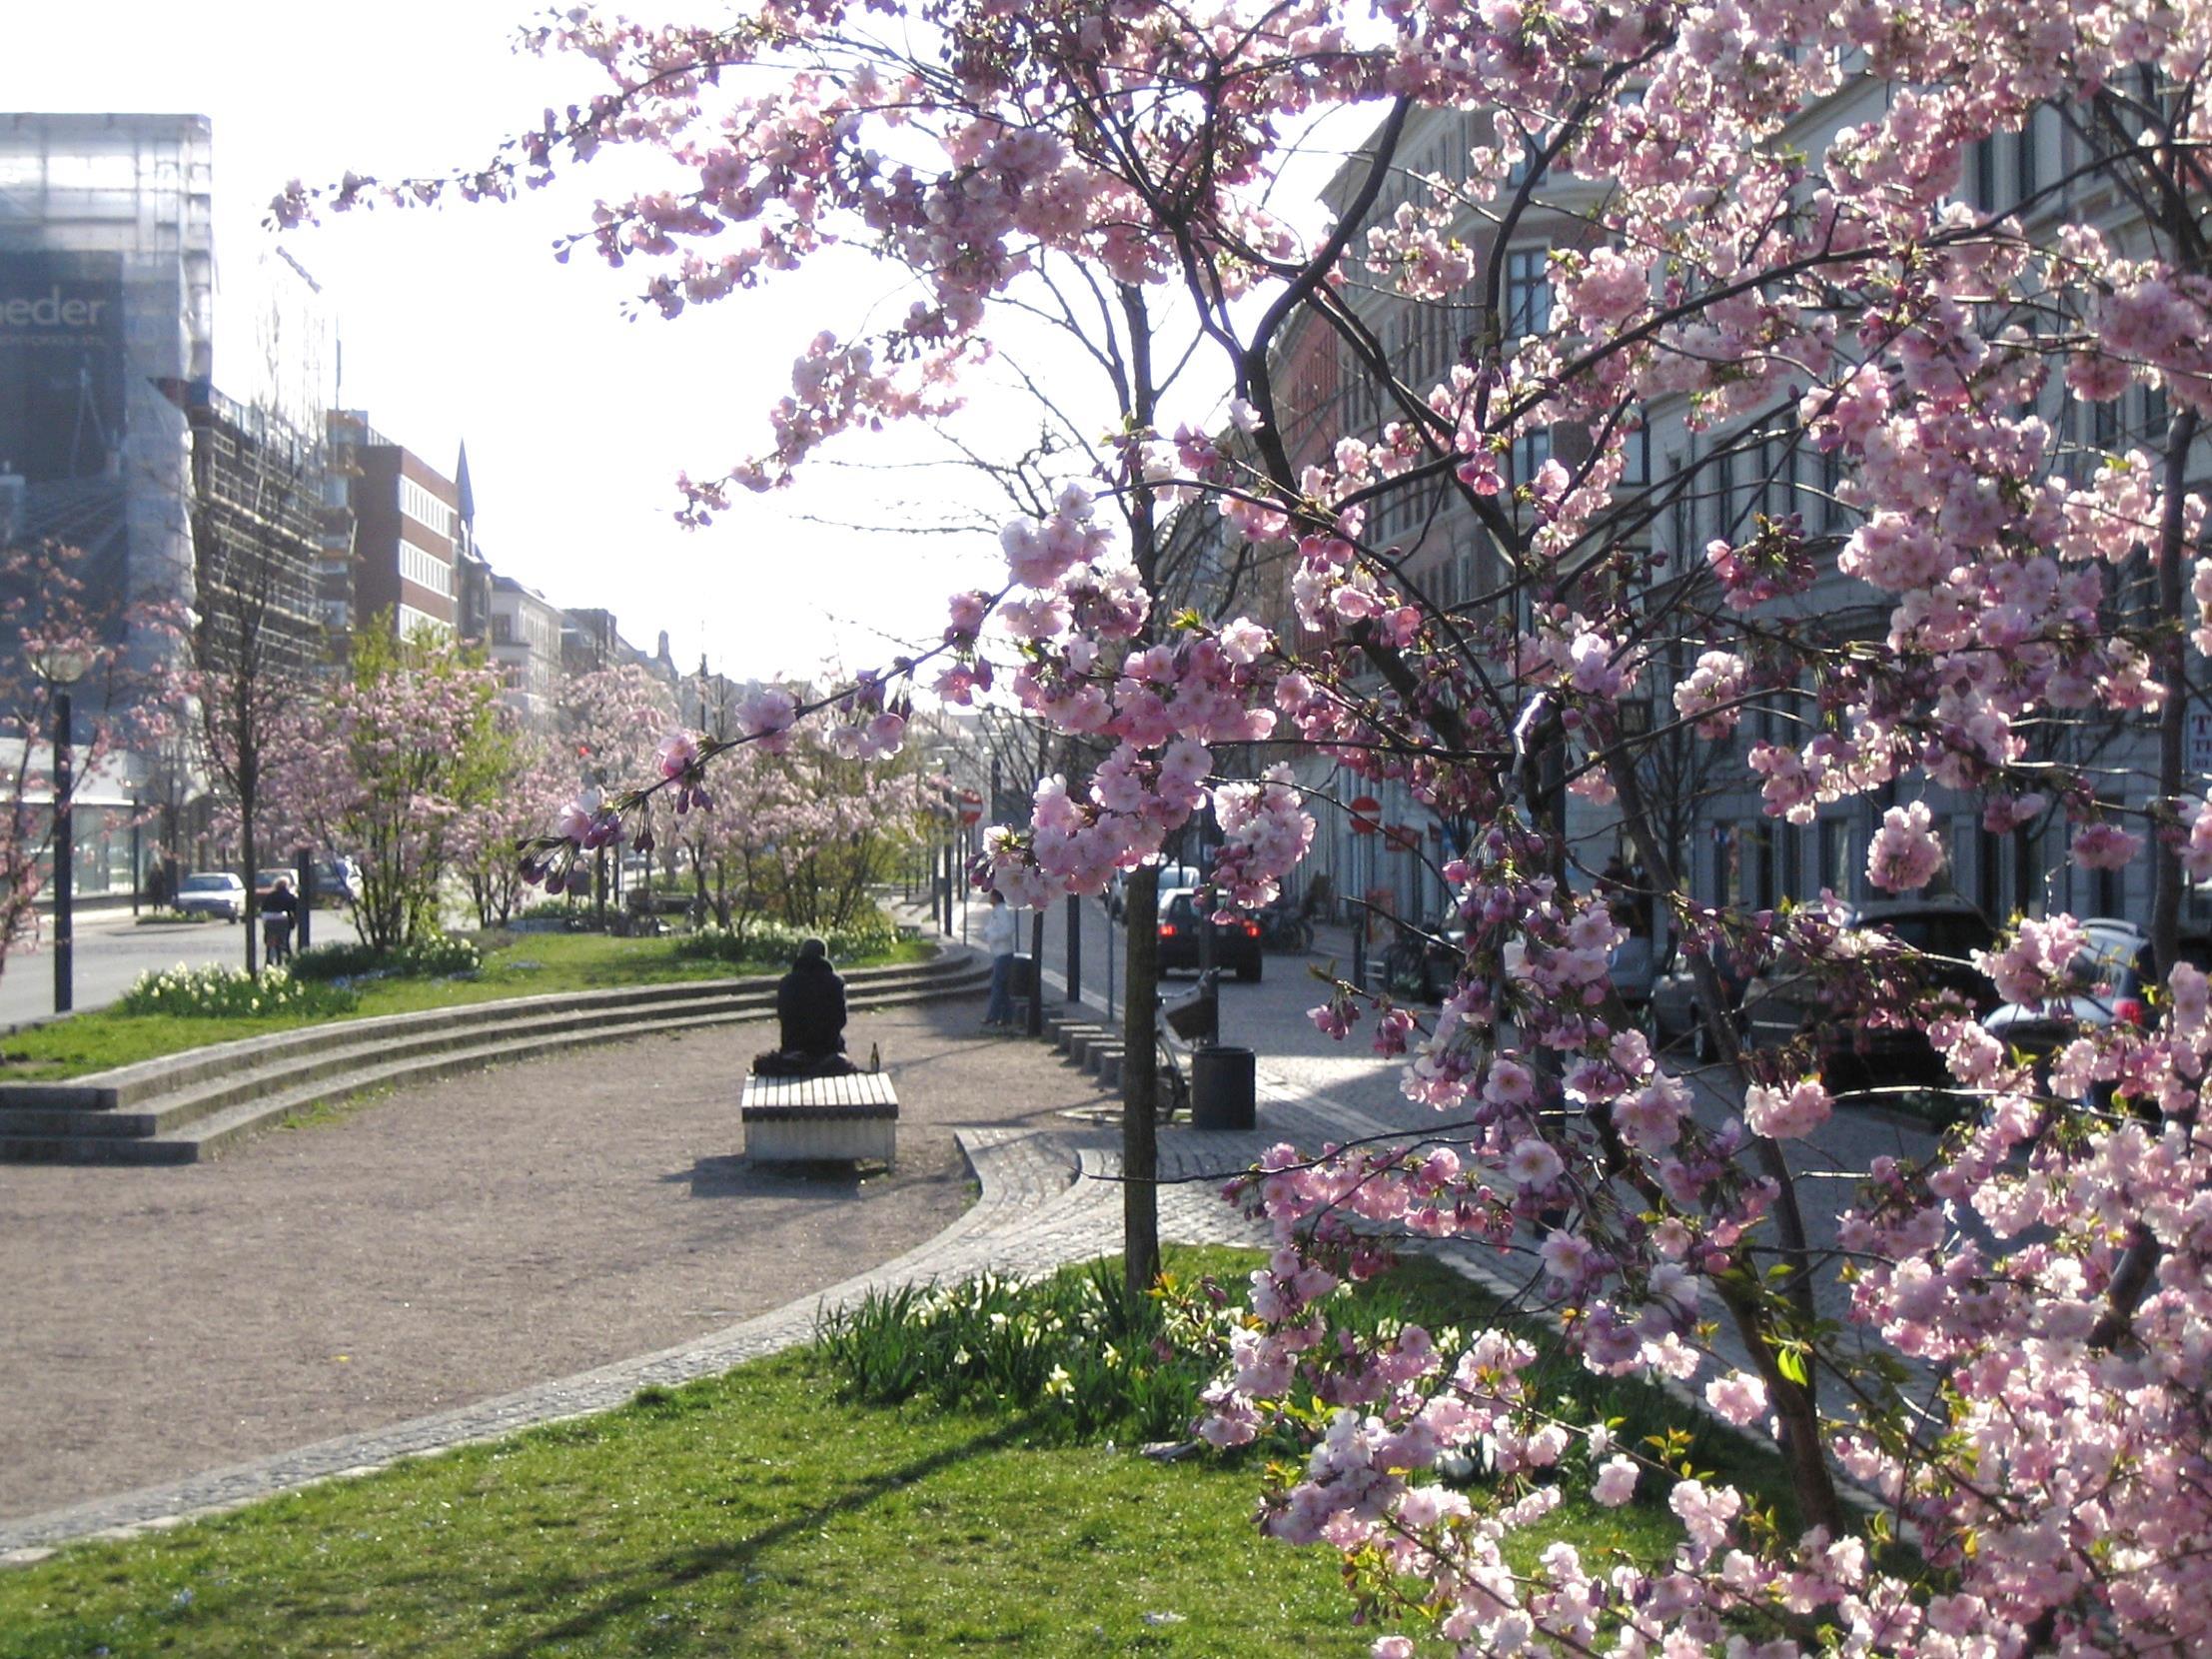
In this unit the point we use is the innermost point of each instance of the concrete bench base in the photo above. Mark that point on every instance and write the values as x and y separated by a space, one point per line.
821 1119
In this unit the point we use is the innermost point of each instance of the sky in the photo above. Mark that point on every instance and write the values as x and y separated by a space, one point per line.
459 325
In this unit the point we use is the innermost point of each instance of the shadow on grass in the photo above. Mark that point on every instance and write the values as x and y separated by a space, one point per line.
622 1598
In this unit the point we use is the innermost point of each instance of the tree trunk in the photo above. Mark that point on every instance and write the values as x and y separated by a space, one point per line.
1140 1084
1140 1081
250 852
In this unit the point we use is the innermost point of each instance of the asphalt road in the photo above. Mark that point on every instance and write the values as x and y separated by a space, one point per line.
109 952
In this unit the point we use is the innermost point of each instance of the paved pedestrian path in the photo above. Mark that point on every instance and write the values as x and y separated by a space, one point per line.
1050 1193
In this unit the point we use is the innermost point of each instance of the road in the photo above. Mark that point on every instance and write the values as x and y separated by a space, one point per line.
110 952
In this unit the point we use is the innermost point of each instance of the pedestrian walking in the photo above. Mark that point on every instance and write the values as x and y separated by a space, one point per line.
1000 933
278 912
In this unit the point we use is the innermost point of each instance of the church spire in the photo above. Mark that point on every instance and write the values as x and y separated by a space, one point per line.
461 484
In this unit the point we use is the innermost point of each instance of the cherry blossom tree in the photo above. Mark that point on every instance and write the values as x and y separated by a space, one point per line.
47 614
611 720
536 779
1806 246
393 763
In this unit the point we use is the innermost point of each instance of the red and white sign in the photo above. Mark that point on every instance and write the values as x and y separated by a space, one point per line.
971 807
1367 814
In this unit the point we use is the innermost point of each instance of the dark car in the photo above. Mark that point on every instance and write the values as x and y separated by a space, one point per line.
1939 936
1236 940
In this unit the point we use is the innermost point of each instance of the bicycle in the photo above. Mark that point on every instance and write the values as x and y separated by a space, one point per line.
1196 1016
1171 1090
1284 928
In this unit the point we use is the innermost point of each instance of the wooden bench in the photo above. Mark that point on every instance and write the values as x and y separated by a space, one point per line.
809 1120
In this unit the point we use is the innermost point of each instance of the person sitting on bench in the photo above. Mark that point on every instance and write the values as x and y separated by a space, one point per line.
810 1007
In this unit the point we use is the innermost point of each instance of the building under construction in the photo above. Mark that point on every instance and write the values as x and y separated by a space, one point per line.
113 437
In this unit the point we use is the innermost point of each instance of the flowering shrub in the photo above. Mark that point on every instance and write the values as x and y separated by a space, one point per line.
1075 1344
439 955
231 993
770 942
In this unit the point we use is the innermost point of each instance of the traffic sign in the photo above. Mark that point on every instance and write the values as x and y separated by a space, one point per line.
1367 814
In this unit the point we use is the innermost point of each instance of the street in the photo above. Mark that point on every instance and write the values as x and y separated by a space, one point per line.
110 952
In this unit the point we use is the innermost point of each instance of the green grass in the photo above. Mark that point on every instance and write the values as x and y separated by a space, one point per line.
521 965
759 1513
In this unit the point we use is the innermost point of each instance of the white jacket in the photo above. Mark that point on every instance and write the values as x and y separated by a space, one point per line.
1001 932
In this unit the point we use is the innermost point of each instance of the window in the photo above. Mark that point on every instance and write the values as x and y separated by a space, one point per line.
1830 515
1635 456
1681 520
1528 292
425 509
1531 451
426 569
1838 854
412 621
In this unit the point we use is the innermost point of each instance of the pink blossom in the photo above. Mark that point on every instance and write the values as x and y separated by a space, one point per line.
1615 1483
1905 853
1786 1114
1740 1397
2105 846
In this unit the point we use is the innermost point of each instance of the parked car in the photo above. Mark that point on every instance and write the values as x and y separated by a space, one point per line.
1172 876
2109 978
1677 1014
337 881
265 883
1236 941
1783 1000
213 893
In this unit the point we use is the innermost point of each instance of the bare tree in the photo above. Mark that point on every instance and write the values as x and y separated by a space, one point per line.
254 639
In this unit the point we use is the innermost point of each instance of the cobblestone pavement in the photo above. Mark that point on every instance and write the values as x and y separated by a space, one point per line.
558 1218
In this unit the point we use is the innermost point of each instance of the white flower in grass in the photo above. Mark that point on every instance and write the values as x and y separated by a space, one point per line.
1059 1386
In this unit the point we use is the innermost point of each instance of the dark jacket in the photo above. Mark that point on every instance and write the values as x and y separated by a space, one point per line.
811 1004
279 905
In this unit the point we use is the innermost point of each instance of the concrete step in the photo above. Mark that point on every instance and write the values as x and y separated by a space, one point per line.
203 1121
126 1085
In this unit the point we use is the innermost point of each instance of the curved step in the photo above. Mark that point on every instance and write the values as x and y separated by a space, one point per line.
197 1123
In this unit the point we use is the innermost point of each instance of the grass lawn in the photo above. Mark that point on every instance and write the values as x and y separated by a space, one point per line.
525 965
758 1514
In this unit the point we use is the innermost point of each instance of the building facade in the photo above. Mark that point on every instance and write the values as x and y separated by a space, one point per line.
404 527
526 645
107 279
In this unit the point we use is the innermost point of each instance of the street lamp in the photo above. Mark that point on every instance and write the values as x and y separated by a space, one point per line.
61 667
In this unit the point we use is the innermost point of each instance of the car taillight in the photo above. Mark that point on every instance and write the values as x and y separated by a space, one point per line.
1167 929
2128 1011
1252 930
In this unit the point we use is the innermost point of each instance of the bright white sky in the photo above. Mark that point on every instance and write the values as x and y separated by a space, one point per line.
459 325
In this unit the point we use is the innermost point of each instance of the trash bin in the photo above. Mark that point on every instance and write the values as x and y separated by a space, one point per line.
1224 1088
1022 982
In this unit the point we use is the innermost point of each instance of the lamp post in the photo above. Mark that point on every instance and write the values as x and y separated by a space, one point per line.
61 667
